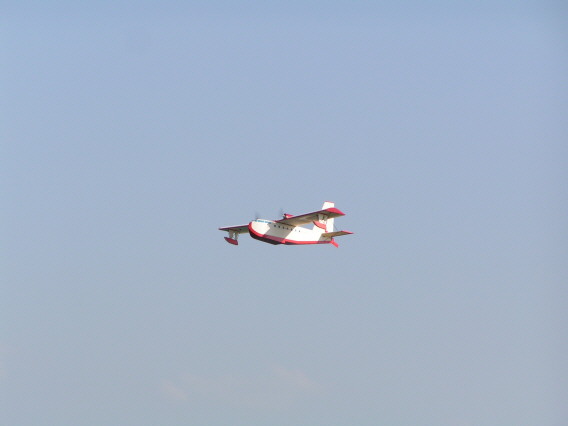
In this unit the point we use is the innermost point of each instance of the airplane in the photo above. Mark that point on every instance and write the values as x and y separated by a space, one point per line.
289 229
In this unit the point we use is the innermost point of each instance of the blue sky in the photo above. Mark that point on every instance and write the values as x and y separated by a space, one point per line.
133 130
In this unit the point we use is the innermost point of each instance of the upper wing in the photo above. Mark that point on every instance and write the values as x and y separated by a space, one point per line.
239 229
302 219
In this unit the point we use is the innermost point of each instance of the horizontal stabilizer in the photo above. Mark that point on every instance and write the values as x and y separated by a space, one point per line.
336 233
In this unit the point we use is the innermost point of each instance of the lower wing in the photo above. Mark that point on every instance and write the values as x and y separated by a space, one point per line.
238 229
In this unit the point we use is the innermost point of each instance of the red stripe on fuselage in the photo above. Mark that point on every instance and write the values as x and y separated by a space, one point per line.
277 240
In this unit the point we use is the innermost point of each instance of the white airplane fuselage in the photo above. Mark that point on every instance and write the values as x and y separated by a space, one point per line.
292 229
271 232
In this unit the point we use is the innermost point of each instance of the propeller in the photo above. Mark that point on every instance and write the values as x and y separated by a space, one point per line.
285 215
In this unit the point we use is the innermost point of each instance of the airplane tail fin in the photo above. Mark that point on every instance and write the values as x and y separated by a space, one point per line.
324 224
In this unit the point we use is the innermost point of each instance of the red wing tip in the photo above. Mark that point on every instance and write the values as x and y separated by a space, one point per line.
334 210
232 241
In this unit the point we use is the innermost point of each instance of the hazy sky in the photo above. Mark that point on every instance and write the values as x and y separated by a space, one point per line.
130 131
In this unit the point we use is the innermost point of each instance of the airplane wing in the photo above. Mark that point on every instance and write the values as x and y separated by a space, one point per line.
302 219
234 232
239 229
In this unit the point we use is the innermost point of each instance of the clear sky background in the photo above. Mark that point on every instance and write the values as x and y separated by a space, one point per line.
130 131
